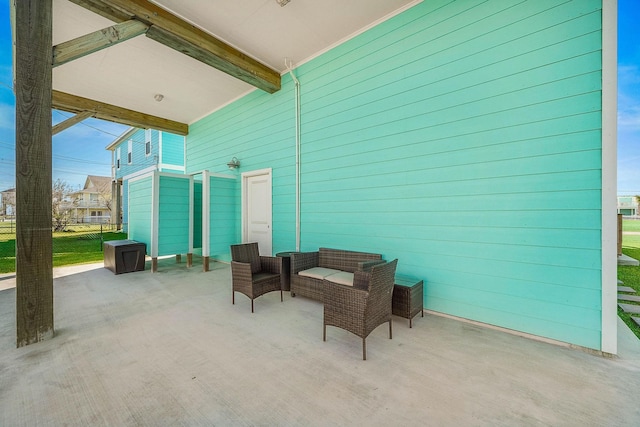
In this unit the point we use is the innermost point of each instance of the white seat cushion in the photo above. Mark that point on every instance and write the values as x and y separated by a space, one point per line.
318 272
342 278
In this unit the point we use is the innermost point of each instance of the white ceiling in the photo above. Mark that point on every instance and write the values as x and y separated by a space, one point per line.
131 73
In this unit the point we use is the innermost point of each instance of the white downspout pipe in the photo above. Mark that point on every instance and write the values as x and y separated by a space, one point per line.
288 64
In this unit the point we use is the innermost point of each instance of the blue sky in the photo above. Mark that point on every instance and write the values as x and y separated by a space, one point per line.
77 152
628 97
80 150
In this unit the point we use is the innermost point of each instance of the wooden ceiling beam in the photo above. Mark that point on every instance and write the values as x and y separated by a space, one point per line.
247 73
98 40
71 121
100 110
186 38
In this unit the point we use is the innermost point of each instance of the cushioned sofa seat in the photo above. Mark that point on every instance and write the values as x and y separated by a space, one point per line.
330 274
309 269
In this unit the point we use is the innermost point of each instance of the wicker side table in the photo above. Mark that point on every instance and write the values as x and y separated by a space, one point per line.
407 298
285 274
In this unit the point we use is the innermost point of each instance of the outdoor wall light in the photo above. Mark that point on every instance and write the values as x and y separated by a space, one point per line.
234 163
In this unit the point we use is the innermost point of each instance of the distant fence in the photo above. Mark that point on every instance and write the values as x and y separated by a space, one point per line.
76 239
94 220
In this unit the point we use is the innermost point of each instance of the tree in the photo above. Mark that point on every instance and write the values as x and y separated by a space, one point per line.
104 197
60 200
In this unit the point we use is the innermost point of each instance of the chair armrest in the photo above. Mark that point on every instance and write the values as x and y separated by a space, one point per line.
367 265
240 271
341 299
303 261
361 280
271 264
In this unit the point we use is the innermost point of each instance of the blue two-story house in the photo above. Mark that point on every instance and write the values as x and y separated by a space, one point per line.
139 151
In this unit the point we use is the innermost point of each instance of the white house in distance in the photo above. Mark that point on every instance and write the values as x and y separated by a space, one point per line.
628 205
8 202
137 152
92 204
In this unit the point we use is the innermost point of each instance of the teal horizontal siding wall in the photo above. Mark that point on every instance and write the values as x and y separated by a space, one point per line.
172 149
463 138
140 206
259 130
141 162
172 153
172 170
224 218
173 215
139 159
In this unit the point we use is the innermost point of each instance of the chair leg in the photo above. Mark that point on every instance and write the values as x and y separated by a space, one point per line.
281 295
252 305
324 332
390 331
233 296
364 349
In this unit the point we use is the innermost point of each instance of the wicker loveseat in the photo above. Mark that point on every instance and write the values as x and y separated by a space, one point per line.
309 269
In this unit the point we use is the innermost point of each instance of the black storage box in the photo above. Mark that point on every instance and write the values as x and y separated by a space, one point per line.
124 256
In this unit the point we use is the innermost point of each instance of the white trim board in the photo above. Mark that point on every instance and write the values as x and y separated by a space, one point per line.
159 148
206 213
609 335
133 175
155 213
214 174
191 201
170 166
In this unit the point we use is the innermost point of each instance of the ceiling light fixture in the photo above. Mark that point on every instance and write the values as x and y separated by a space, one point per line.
282 2
158 97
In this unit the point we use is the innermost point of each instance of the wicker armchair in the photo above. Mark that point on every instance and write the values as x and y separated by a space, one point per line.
252 274
361 308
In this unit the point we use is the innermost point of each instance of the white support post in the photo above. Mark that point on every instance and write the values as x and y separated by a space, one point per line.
206 216
609 336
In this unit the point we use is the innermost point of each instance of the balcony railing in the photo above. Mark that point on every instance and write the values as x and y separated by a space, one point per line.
84 204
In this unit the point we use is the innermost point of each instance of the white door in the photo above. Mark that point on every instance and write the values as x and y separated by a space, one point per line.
256 217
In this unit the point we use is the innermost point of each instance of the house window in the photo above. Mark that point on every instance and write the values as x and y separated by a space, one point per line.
130 152
118 158
147 141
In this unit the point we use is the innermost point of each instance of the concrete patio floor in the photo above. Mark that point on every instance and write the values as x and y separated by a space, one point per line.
170 349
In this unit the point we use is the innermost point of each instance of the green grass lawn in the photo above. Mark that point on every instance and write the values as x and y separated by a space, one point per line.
630 275
68 248
631 225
